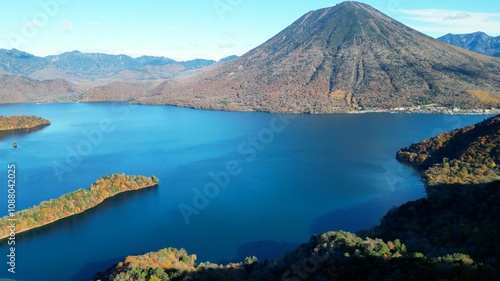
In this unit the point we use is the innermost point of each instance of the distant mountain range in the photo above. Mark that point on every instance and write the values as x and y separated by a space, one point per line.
76 66
74 76
343 58
349 57
478 42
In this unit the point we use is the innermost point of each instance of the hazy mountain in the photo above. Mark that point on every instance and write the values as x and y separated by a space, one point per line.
82 67
342 58
16 62
478 42
229 58
76 76
17 89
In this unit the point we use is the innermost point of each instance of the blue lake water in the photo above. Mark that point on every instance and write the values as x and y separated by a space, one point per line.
247 183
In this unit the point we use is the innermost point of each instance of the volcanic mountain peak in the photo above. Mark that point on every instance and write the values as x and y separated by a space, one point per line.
343 58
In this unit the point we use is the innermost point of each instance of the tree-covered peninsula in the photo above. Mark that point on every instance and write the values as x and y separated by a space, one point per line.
73 203
22 122
467 155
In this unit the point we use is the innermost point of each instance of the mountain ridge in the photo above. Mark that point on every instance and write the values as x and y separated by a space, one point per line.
89 77
478 42
76 66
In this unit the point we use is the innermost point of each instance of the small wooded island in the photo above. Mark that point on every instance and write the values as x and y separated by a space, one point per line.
22 122
73 203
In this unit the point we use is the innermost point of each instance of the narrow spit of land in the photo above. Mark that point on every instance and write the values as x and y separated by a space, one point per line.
73 203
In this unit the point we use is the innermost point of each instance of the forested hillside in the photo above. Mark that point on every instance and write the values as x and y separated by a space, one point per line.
465 156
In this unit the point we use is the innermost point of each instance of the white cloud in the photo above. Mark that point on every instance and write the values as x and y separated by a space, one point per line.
227 45
459 16
67 25
229 33
96 24
451 21
33 23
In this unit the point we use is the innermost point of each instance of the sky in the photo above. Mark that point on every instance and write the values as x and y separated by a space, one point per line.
209 29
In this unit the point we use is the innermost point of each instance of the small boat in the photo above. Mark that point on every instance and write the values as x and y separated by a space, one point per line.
14 144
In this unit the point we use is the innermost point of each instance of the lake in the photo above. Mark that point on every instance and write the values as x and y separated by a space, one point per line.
232 184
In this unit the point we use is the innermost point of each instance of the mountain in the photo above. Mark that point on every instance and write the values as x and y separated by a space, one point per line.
465 156
74 76
347 57
229 58
83 67
478 42
15 62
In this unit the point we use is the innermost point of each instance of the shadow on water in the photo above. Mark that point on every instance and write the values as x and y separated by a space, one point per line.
355 218
263 250
89 270
20 132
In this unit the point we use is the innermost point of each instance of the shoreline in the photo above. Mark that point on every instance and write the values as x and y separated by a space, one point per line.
407 110
25 130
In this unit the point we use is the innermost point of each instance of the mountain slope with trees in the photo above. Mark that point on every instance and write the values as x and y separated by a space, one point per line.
467 155
19 89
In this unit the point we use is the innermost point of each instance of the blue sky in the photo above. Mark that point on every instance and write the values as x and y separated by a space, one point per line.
211 29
